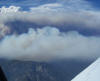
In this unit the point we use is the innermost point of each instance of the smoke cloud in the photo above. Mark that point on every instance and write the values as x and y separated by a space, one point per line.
65 14
48 44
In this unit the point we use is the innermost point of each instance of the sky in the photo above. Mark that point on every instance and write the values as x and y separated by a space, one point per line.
28 3
95 3
46 30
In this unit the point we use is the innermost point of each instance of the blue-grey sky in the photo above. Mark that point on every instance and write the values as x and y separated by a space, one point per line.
95 3
27 3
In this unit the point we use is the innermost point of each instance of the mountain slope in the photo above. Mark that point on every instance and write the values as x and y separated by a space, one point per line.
39 71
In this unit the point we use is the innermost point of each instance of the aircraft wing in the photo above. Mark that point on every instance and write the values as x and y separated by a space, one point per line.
92 73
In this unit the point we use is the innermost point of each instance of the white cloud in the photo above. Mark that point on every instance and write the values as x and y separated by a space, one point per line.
79 14
9 9
49 44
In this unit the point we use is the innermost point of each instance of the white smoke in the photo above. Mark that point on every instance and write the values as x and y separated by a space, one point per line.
4 10
48 44
4 30
78 13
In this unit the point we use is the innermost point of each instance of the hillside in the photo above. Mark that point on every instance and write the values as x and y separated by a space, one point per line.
39 71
